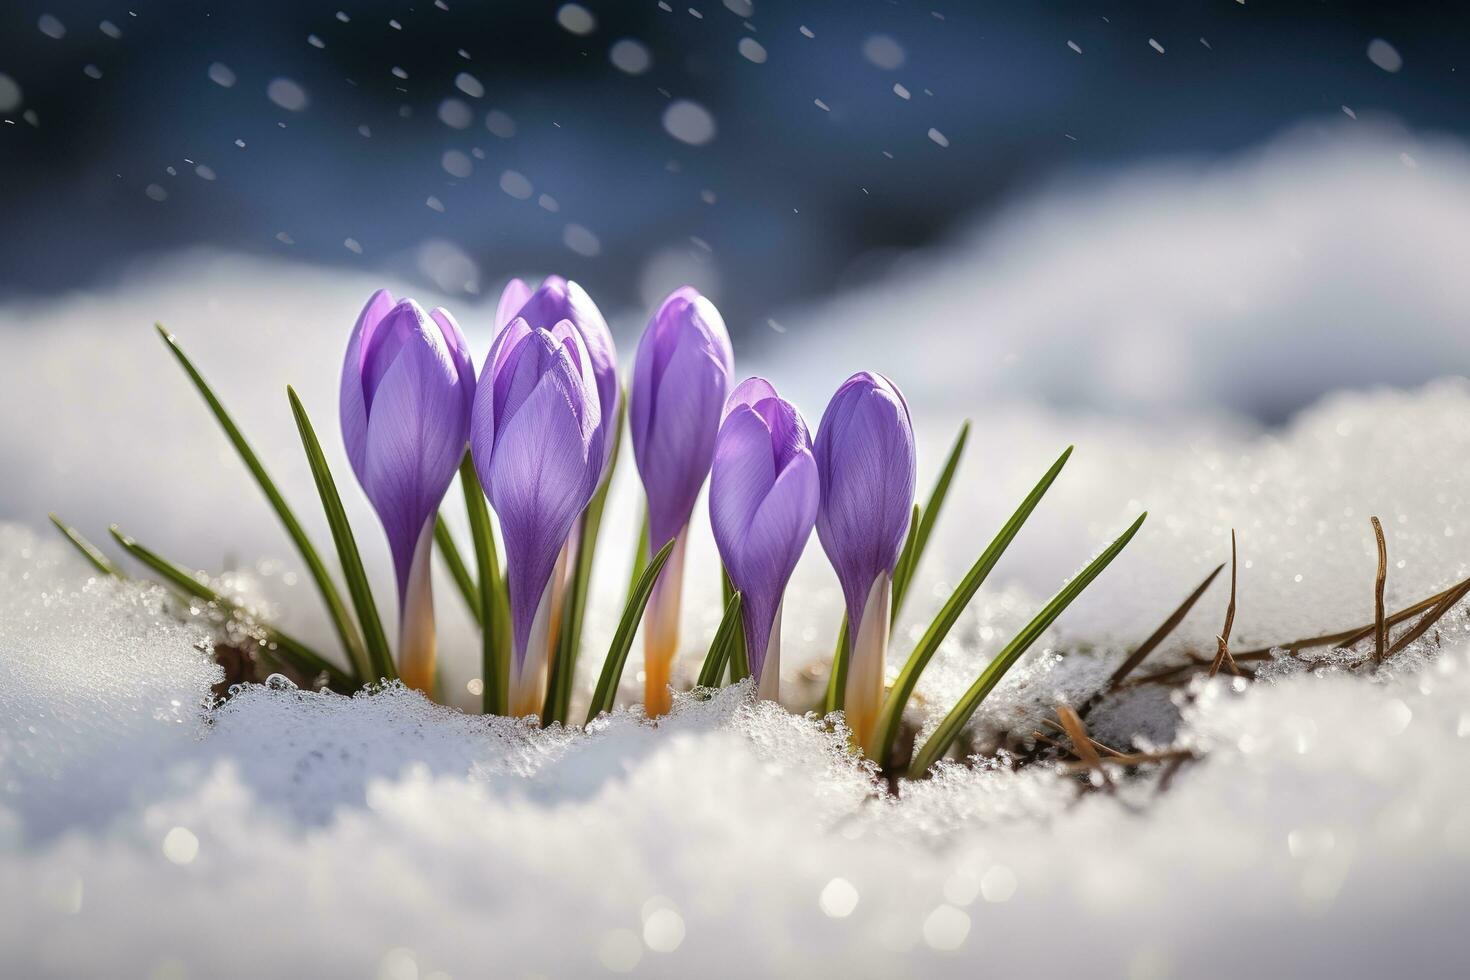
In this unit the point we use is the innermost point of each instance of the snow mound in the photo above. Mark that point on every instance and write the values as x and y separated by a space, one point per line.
1324 831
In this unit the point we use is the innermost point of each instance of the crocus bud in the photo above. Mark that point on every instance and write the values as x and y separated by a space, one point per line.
559 300
681 379
407 386
762 502
865 460
536 435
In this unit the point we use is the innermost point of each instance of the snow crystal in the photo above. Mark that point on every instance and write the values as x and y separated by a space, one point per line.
630 56
457 163
469 85
516 184
10 93
500 124
752 50
51 27
689 122
286 94
576 19
581 240
456 113
884 52
1385 55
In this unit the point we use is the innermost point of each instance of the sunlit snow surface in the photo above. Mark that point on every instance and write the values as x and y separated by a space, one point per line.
1327 830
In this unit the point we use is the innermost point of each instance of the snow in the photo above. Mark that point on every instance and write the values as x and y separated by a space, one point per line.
1325 830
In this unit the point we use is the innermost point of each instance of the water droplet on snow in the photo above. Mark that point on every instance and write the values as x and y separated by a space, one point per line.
838 898
180 846
619 950
946 928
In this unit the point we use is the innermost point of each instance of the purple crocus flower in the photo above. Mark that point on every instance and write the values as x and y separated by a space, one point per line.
407 386
559 300
681 379
763 499
537 437
865 459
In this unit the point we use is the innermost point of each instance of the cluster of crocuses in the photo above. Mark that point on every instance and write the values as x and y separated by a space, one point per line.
537 432
540 423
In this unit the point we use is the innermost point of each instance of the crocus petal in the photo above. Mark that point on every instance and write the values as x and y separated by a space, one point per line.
676 449
748 393
865 457
764 493
459 352
776 539
557 300
536 441
512 298
743 474
352 408
416 434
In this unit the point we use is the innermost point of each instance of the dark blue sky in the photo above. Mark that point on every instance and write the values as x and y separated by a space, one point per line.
788 200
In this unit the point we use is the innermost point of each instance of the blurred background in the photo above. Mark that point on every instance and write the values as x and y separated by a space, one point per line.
773 154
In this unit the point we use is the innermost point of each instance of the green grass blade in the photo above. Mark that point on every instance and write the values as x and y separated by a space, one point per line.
337 610
739 661
837 679
495 630
949 729
903 687
89 551
927 517
569 643
457 568
720 647
617 653
379 656
288 648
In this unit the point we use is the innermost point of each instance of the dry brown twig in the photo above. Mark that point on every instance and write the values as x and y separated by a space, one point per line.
1223 656
1380 624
